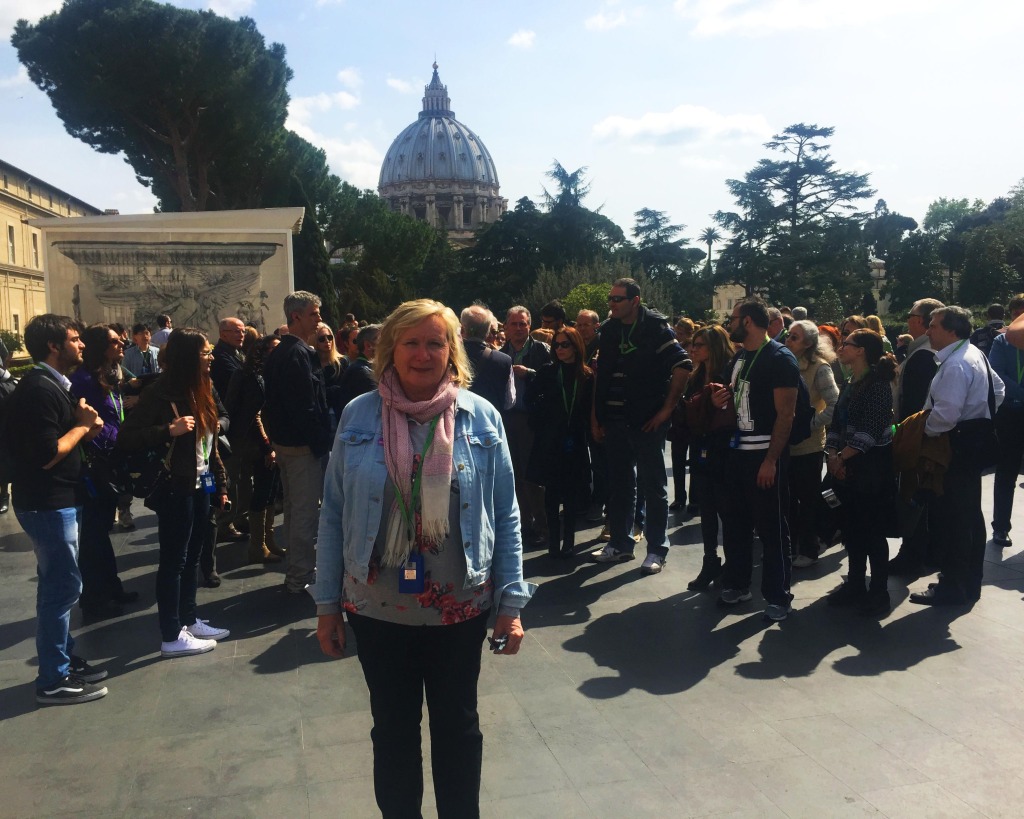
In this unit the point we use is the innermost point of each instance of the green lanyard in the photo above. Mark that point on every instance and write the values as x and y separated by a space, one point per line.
1020 368
414 497
963 341
517 358
118 403
746 370
569 406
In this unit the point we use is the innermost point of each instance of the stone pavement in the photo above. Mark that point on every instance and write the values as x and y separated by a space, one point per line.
631 697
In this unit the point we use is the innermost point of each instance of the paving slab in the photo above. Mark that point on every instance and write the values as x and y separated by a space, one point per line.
632 696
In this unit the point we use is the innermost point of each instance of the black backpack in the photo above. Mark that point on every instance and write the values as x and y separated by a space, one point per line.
801 429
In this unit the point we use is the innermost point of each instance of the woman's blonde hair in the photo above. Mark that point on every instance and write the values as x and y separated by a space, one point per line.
334 359
408 315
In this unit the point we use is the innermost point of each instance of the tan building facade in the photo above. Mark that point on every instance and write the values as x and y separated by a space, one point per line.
22 283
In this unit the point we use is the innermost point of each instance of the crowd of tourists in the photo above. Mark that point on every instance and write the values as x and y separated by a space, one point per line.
415 459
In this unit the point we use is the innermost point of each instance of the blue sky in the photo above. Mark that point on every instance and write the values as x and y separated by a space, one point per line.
662 102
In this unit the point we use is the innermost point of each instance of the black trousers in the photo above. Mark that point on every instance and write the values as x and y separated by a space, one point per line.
804 499
96 560
753 508
400 663
1010 428
960 530
869 504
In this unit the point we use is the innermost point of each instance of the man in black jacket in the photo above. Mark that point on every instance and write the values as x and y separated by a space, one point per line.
297 421
641 375
492 370
227 360
44 430
358 377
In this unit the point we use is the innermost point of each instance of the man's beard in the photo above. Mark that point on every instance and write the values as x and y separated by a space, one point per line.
739 335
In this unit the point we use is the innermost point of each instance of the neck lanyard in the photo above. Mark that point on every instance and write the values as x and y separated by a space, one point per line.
569 405
413 507
745 374
517 358
1020 368
118 403
626 345
963 341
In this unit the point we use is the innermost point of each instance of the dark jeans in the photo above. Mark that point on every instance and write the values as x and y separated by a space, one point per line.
750 508
400 662
679 452
1010 429
182 522
709 493
599 471
562 491
804 498
959 530
636 460
96 560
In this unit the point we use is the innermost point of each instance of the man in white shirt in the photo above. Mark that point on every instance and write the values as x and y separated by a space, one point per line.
160 337
963 398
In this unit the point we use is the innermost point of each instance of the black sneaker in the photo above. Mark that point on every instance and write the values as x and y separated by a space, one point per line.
70 691
1001 539
85 672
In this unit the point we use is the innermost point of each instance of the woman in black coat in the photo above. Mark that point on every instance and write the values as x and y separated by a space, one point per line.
559 461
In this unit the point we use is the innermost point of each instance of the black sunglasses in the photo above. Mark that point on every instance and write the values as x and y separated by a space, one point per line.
617 299
325 338
564 345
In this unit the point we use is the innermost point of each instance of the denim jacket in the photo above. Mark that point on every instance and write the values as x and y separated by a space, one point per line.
350 515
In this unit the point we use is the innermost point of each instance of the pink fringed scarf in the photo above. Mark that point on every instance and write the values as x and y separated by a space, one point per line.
435 483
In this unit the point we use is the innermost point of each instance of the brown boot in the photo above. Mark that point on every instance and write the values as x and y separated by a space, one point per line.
258 552
269 534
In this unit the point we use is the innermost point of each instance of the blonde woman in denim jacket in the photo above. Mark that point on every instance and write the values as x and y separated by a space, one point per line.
419 539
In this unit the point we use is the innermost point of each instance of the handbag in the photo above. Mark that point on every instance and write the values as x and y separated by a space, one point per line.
149 469
105 476
703 417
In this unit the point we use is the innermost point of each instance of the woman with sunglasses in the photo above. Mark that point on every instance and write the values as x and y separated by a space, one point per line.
859 456
559 459
711 351
334 365
178 415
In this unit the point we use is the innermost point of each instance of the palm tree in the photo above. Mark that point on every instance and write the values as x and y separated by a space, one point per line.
709 236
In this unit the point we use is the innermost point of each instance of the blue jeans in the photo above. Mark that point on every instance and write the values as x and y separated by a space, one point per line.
636 460
182 521
54 535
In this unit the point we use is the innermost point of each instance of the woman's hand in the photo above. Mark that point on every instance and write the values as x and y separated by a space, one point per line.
182 425
330 631
502 626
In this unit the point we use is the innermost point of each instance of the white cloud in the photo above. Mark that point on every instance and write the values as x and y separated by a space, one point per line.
523 38
302 109
321 3
401 86
230 8
684 124
605 22
357 161
13 10
759 17
350 77
20 77
695 162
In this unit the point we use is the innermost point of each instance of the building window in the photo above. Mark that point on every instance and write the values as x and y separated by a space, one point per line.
35 250
7 184
10 243
51 200
17 323
29 191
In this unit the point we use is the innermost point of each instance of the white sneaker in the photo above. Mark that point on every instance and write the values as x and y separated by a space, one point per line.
637 533
652 564
186 645
204 631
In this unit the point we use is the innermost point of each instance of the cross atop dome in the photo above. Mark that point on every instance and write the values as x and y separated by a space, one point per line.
436 102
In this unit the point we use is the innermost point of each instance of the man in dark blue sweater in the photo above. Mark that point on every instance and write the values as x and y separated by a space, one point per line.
44 430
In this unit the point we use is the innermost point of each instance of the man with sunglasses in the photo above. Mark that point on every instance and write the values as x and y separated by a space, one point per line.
763 379
641 374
